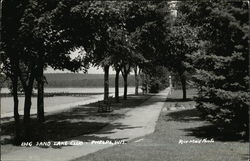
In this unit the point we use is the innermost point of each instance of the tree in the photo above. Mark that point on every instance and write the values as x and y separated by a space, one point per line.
139 17
116 48
181 43
154 79
137 73
148 46
222 62
117 70
11 14
30 43
178 41
125 71
124 56
102 18
51 45
122 50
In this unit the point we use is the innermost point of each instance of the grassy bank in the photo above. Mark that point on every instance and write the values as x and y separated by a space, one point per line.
179 121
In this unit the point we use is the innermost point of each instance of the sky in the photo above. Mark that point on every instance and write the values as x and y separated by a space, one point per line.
92 70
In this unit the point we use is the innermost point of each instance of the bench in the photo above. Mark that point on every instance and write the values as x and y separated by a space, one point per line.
105 105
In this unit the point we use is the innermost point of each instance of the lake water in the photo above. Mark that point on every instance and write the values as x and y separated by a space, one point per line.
56 103
77 90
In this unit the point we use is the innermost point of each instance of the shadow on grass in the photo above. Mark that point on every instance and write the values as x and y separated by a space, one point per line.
63 130
109 129
133 101
51 131
208 130
185 115
178 100
212 131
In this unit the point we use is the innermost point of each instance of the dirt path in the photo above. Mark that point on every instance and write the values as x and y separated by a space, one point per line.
137 122
180 135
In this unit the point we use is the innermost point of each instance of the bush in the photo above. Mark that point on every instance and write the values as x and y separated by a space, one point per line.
154 87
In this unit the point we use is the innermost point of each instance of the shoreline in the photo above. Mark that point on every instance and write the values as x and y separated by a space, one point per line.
52 94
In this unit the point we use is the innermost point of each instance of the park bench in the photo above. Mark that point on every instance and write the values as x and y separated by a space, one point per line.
105 105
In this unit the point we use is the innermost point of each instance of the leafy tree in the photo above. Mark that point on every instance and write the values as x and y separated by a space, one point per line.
30 43
11 14
117 50
107 22
177 42
180 42
137 73
101 17
154 78
142 23
222 62
122 59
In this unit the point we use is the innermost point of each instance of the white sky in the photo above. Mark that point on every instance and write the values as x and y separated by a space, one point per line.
92 70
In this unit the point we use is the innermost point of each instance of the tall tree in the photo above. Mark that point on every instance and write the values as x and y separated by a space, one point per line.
31 42
222 62
181 43
10 23
101 17
137 73
138 16
51 46
117 74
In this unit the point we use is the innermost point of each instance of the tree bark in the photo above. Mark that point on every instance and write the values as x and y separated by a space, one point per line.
16 104
106 82
125 71
27 106
136 81
40 95
125 78
117 85
183 84
146 84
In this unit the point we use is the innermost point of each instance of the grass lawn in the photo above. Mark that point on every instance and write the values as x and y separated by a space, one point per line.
74 122
177 124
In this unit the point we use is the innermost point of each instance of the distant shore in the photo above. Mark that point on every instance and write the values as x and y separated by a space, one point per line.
52 94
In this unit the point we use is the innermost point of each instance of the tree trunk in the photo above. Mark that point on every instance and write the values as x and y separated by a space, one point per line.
16 113
125 78
26 119
106 82
40 96
136 81
125 71
146 85
27 106
183 84
117 85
